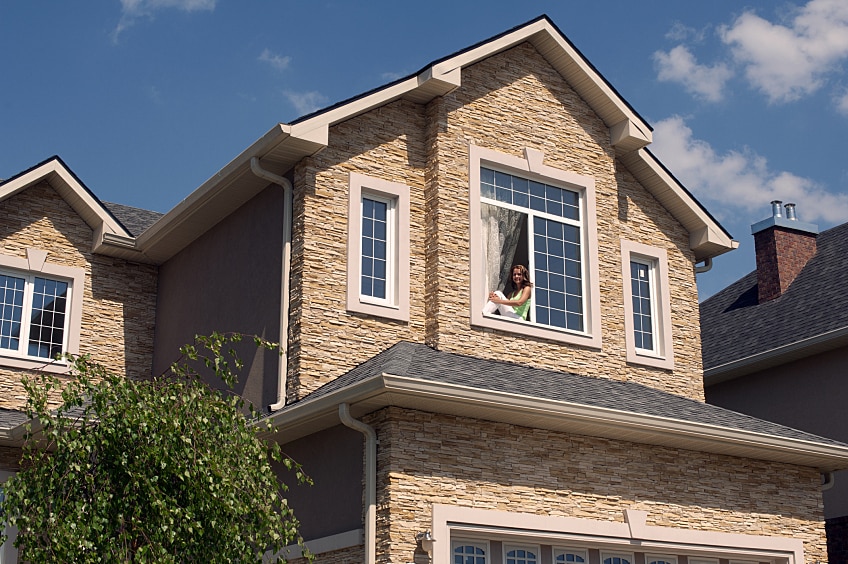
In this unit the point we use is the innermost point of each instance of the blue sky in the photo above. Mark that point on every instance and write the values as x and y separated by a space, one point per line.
146 99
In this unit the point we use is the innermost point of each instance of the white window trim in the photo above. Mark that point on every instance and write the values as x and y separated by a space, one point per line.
398 307
582 552
36 263
531 167
663 356
461 522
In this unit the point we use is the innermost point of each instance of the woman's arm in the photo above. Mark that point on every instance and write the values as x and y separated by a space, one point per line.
525 295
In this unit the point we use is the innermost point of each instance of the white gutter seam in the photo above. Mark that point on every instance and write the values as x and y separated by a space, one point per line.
370 480
284 183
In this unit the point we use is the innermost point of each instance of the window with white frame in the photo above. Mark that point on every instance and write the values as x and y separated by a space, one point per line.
647 307
33 315
565 555
378 248
40 310
653 559
467 552
521 555
607 558
526 213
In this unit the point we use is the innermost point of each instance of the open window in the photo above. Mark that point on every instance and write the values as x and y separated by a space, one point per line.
524 212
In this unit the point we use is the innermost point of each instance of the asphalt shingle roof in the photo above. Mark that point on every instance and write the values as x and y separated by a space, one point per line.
11 418
422 362
136 220
735 326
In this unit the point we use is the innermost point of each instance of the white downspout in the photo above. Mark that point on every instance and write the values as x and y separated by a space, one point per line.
370 480
708 264
284 289
829 479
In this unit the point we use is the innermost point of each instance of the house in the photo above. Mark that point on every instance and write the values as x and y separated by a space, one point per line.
775 342
367 236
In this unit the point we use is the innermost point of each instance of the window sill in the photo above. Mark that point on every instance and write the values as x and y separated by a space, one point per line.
379 310
648 359
526 328
40 365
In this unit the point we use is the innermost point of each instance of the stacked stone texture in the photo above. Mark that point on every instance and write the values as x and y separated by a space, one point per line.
781 255
506 103
426 458
119 297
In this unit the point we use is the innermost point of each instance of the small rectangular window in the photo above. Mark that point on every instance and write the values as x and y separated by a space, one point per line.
33 315
378 248
647 307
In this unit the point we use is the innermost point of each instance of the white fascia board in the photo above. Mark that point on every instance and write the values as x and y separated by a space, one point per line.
69 188
779 355
386 389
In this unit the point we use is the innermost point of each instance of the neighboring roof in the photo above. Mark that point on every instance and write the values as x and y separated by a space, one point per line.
110 235
286 144
740 335
136 220
416 376
12 426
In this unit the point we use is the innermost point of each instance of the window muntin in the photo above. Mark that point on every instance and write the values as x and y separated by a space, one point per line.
642 288
469 553
376 249
510 206
616 558
378 261
33 315
647 305
521 555
568 555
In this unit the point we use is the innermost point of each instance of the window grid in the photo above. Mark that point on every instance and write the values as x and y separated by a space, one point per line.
33 310
641 294
567 556
469 554
374 277
556 251
11 314
521 556
47 325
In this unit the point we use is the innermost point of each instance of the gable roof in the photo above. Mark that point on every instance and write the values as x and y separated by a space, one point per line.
285 144
110 235
415 376
136 220
740 335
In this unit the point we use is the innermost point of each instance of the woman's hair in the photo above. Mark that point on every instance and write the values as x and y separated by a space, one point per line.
525 277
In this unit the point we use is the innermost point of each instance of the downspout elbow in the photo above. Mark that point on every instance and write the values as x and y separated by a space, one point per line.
370 480
828 478
708 264
286 185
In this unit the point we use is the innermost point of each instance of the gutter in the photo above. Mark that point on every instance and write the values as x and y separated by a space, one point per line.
284 183
370 480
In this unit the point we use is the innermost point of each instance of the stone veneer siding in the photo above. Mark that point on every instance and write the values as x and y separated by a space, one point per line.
506 102
119 297
424 459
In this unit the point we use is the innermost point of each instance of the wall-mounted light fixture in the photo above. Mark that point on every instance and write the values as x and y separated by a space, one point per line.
426 540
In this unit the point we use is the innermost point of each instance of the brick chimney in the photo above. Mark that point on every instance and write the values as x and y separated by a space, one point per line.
783 246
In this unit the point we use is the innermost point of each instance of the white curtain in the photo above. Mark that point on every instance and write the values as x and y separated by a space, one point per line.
501 232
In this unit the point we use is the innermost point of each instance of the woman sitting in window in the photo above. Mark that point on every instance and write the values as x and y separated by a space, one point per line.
517 306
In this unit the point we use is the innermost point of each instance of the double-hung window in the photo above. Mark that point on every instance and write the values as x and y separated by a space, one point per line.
33 315
378 248
647 313
40 310
526 213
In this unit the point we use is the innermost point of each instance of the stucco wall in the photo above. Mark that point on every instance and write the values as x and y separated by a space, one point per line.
228 280
426 458
506 103
119 297
808 394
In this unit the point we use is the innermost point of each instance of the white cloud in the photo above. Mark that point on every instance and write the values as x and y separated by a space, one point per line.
681 32
740 181
787 62
305 102
679 65
842 103
131 10
279 62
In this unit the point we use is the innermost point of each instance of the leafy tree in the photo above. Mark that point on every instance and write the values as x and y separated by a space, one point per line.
160 470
